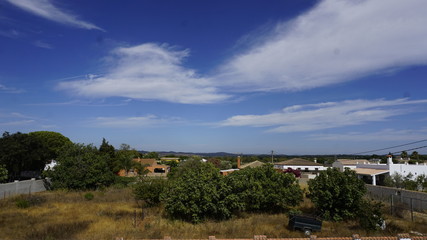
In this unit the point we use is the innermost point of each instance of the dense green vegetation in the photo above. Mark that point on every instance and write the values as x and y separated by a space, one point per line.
81 167
21 152
339 196
195 192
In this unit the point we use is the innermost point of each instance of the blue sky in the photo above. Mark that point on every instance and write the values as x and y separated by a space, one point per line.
296 77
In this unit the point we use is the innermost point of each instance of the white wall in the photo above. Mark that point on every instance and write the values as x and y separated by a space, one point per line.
405 169
301 168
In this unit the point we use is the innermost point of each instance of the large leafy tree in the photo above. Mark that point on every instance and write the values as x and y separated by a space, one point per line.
51 142
263 189
337 195
20 152
197 192
81 167
109 151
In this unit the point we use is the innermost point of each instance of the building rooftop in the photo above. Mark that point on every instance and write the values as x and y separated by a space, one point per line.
298 162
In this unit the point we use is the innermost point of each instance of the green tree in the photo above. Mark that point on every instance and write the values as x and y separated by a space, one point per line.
421 181
124 159
106 148
370 215
20 152
337 195
198 192
109 151
81 167
415 156
153 155
51 142
263 189
404 155
408 183
149 190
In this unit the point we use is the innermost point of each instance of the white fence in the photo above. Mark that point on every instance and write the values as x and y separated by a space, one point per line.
22 187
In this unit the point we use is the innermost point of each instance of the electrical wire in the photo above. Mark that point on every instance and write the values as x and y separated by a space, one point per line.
401 145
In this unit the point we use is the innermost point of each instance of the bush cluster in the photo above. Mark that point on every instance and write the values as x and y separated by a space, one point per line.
339 196
196 192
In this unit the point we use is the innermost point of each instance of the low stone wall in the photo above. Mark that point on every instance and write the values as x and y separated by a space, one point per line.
22 187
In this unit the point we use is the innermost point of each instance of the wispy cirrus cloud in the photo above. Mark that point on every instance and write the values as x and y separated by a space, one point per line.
148 72
327 115
383 135
45 9
15 119
42 44
6 89
11 33
134 122
336 41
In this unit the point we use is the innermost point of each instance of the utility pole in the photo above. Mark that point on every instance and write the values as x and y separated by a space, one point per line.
272 156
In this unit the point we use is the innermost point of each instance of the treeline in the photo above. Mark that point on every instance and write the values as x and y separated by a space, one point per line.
25 155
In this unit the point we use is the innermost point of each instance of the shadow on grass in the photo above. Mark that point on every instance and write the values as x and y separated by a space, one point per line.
59 231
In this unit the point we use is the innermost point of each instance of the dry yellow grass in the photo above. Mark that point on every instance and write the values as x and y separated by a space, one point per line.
111 214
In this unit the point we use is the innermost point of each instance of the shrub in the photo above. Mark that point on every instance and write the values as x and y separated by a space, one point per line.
337 195
122 182
198 192
149 190
263 189
370 215
89 196
22 203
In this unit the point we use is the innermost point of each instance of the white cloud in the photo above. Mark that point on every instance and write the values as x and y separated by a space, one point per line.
15 119
383 135
148 72
12 33
45 9
133 122
312 117
5 89
337 41
42 44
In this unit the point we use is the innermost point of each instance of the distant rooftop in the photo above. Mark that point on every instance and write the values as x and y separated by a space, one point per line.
298 162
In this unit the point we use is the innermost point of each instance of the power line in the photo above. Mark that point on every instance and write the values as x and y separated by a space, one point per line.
402 145
410 149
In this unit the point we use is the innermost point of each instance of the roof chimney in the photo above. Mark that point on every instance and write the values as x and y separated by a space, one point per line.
238 162
389 160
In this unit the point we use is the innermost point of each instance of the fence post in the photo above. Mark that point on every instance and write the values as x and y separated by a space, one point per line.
412 211
391 204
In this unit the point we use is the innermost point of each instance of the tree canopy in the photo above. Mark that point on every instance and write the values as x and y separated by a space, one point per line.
263 189
81 167
21 152
199 193
337 195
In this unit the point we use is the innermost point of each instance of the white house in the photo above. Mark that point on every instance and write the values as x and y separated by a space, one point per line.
341 164
377 171
300 164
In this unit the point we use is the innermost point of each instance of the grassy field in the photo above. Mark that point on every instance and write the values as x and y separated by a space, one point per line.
114 213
